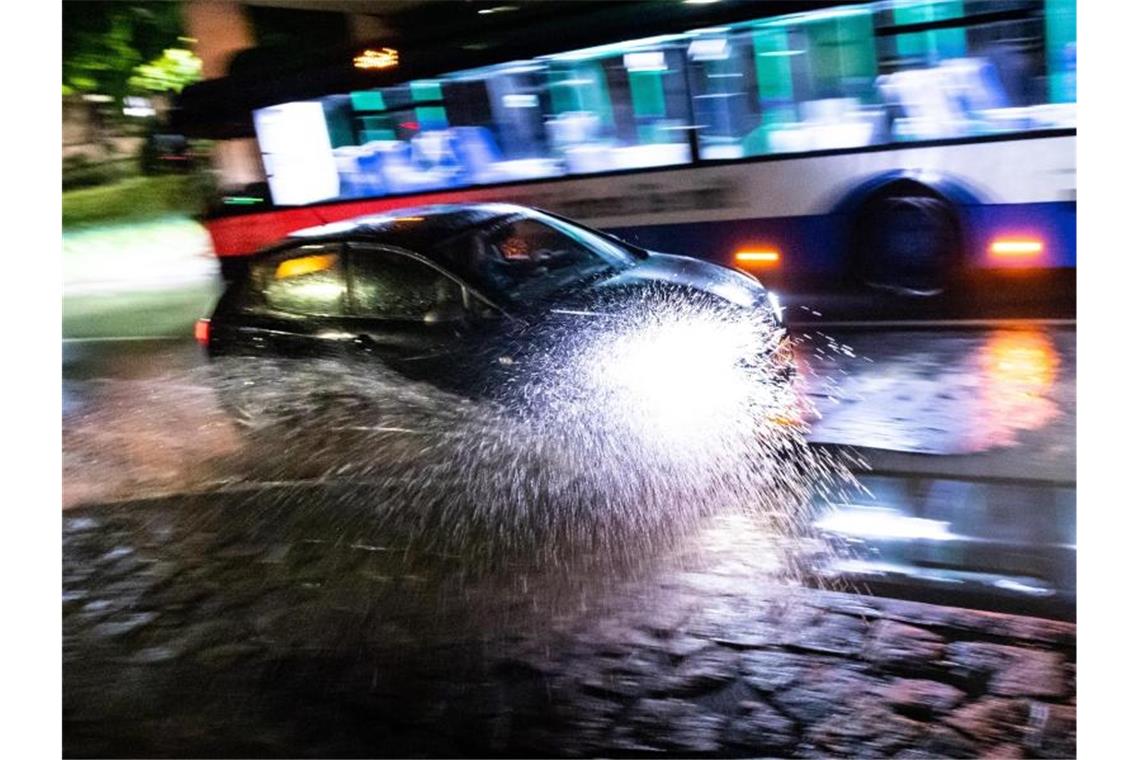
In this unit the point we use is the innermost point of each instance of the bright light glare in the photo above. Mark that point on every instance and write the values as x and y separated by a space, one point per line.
777 308
384 58
715 49
516 100
297 152
304 265
684 379
762 257
652 60
869 522
140 107
1012 247
1030 586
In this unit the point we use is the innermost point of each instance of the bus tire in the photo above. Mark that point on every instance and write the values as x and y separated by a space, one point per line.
907 240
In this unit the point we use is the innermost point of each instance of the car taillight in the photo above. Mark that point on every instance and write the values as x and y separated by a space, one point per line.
202 332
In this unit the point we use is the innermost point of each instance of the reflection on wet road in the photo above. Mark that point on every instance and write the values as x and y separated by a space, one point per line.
997 407
952 393
299 619
970 438
1003 402
996 544
944 392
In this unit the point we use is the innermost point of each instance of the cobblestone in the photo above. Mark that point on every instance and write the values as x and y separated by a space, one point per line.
898 646
864 727
286 645
990 719
759 727
774 670
921 698
835 634
1010 671
699 673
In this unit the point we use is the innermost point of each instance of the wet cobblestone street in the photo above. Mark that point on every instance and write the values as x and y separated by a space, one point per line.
253 625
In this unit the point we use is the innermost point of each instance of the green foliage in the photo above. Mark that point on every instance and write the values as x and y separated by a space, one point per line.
105 42
173 70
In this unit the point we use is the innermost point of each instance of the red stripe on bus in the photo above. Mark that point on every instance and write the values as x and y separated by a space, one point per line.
245 234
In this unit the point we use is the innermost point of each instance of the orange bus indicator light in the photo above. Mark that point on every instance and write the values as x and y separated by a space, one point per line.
757 257
1016 248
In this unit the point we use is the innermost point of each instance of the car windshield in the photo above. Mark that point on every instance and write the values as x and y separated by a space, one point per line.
525 259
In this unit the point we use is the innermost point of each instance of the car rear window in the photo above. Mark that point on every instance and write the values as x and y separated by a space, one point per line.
389 285
308 280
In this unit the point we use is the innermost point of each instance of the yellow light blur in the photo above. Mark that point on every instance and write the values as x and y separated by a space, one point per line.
409 219
1025 360
1019 371
762 257
384 58
1016 247
304 265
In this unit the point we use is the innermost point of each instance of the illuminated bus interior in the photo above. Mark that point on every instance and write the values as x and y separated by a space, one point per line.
847 78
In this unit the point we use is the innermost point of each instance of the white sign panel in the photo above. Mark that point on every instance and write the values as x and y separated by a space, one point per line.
295 147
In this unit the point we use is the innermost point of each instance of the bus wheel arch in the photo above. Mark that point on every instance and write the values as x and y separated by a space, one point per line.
906 236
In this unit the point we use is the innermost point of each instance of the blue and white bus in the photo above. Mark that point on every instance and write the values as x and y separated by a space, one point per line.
901 143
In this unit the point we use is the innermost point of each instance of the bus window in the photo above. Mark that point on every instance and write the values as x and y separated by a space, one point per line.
951 68
619 107
815 75
1061 49
497 128
391 140
722 81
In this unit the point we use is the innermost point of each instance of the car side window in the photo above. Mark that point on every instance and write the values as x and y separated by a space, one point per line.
391 285
307 280
521 259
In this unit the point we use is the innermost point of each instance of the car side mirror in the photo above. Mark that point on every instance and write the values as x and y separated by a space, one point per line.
443 313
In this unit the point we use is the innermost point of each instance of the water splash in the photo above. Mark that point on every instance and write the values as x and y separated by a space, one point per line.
614 437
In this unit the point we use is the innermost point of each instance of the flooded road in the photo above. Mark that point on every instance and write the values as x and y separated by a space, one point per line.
292 609
968 392
993 403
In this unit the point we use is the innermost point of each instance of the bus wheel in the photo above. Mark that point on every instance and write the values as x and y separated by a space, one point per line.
907 241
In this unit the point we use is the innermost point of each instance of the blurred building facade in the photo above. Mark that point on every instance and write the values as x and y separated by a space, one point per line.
222 30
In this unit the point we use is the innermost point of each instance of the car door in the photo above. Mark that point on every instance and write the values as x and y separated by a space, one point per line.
297 304
408 312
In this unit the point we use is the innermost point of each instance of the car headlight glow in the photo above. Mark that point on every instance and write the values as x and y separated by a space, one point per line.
682 380
774 302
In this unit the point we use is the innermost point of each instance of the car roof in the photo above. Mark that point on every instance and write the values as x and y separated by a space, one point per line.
417 228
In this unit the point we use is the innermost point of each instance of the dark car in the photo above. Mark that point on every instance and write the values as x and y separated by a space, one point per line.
453 295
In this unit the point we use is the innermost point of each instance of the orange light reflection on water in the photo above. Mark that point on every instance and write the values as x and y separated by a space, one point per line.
1018 373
